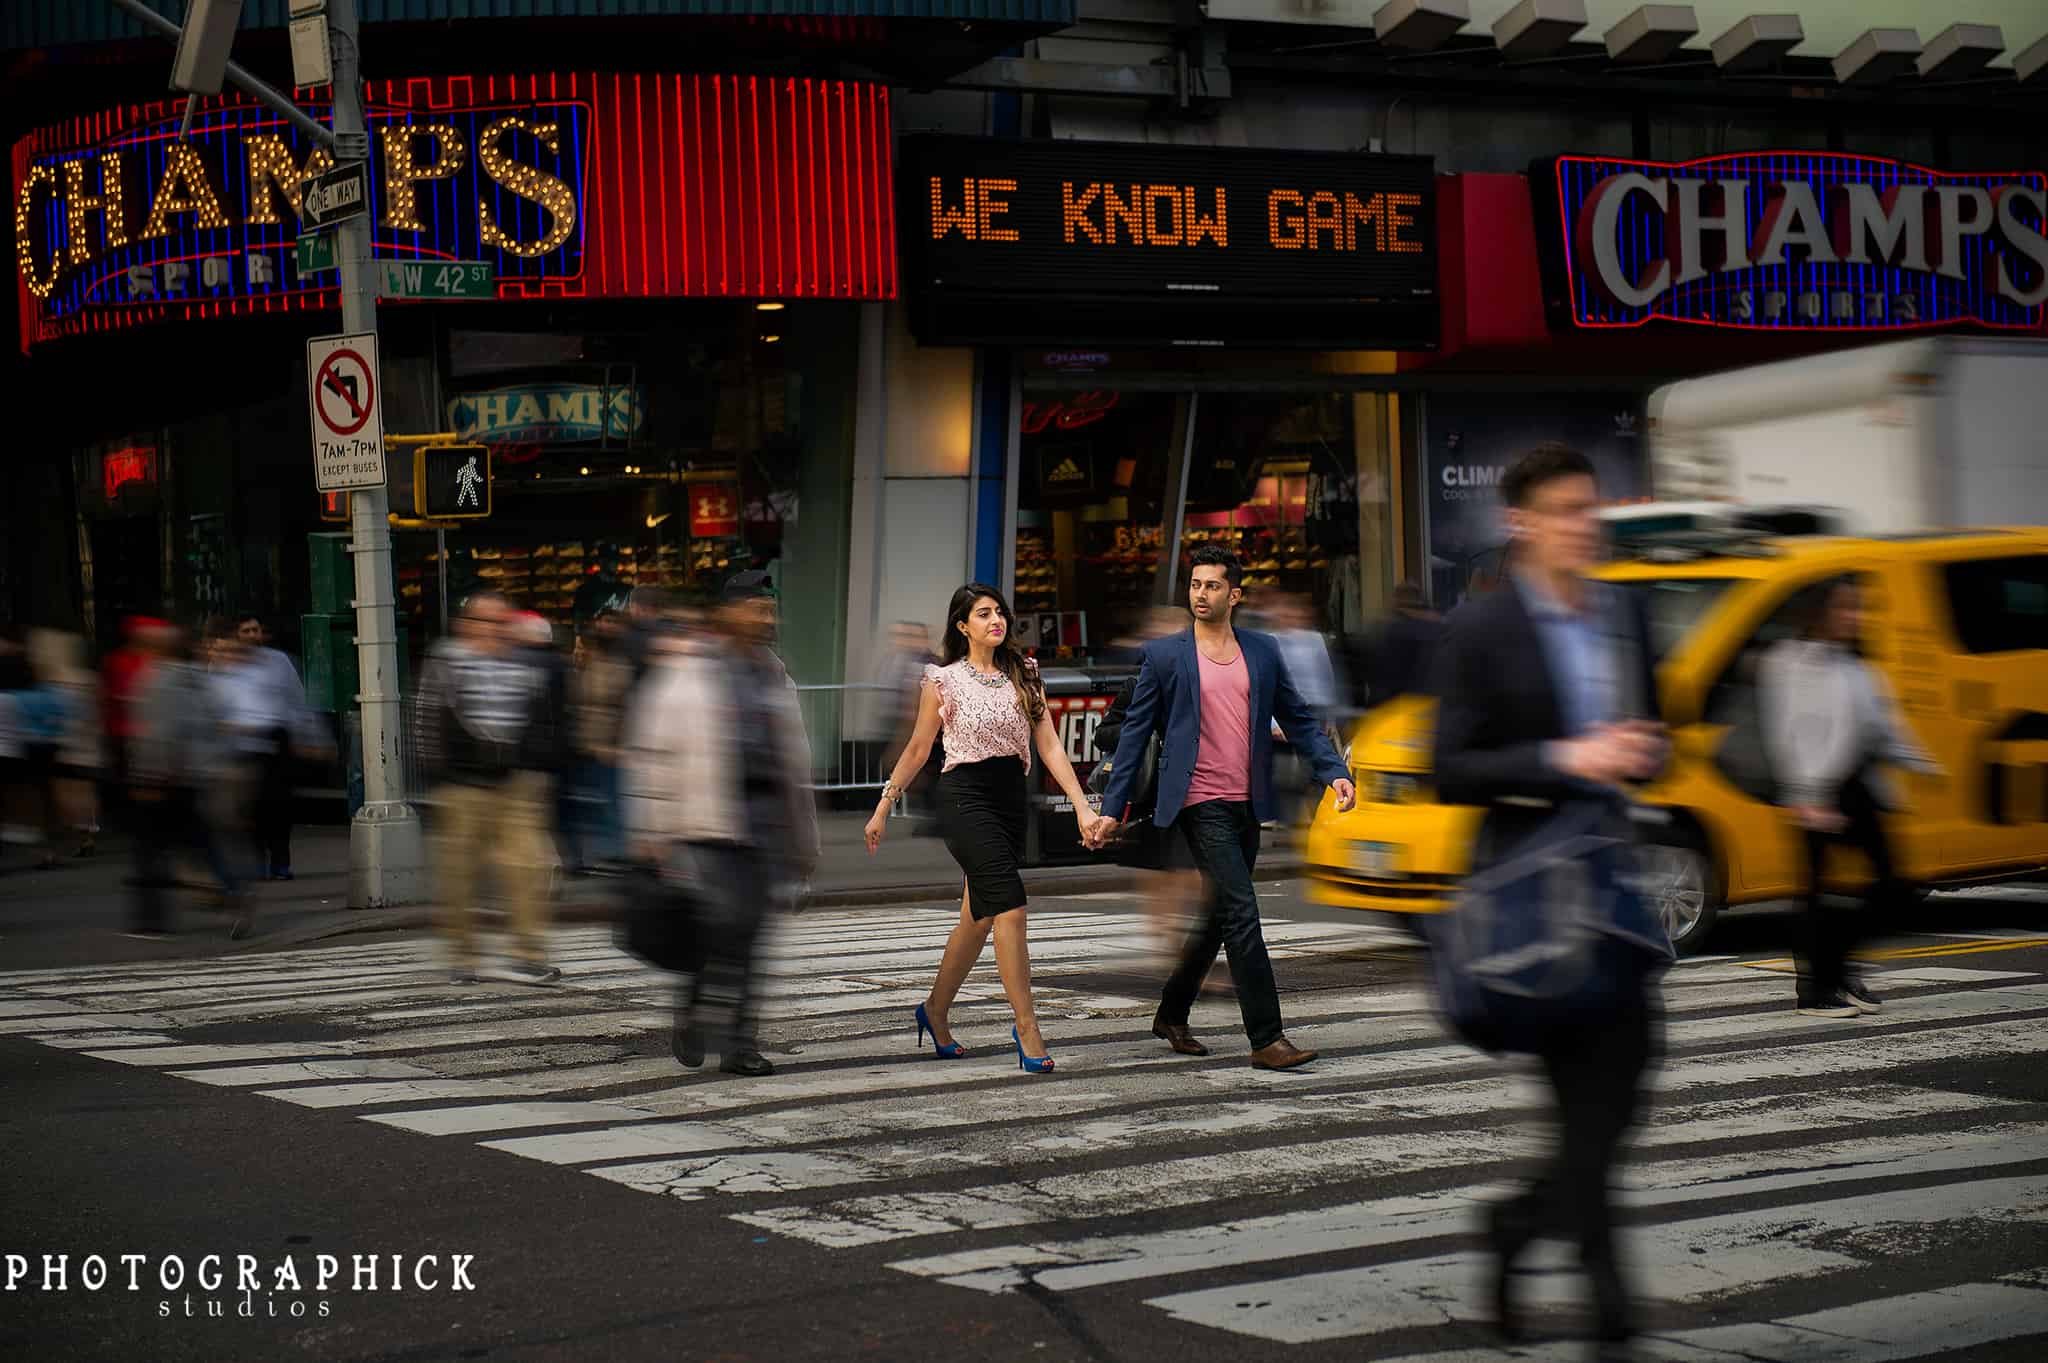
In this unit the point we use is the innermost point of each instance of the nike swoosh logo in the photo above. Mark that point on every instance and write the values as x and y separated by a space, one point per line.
653 521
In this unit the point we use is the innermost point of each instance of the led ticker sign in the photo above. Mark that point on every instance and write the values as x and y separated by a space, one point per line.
1095 243
565 185
1792 241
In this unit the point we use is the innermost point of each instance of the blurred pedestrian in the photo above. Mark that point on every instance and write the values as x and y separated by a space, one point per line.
17 813
178 752
1305 654
645 608
1399 661
988 700
892 715
1212 694
121 674
1830 728
533 632
598 689
485 740
1546 699
58 658
717 780
270 727
1171 887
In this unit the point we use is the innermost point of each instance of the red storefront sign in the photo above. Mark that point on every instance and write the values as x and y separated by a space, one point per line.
714 511
567 184
134 466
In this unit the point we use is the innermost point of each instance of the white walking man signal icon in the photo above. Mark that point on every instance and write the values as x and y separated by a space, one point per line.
469 480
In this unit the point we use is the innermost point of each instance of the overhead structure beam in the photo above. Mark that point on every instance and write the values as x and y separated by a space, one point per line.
2032 63
1651 34
1537 28
1881 54
1757 42
1420 25
1960 51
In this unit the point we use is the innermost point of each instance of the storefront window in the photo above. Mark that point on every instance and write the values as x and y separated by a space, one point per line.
668 460
1293 484
1296 484
1092 502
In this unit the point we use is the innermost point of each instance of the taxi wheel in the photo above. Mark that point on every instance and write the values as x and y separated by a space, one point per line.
1685 889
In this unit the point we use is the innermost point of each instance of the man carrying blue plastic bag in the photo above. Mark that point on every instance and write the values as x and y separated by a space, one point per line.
1547 712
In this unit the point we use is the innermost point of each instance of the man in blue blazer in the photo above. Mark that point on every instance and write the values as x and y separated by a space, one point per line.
1213 694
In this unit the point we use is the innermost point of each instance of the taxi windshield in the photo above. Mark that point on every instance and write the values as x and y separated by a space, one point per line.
1676 604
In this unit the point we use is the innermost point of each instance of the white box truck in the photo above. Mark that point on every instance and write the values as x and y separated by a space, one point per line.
1937 432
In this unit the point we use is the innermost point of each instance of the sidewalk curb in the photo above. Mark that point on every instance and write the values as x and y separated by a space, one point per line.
600 907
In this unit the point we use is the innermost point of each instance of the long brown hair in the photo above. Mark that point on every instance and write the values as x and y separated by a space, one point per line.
1010 659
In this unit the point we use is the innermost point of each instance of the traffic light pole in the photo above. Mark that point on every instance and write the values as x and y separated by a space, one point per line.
387 854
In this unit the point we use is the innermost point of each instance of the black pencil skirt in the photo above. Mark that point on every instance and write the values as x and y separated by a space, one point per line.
982 808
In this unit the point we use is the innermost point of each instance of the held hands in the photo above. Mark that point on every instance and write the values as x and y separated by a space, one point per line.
1609 754
1098 831
1819 818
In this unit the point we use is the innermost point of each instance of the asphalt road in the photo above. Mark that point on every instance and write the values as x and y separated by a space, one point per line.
1803 1190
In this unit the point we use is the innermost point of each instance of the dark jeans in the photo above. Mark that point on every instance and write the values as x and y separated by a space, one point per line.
1830 934
1223 841
1596 1076
270 817
722 999
172 823
589 815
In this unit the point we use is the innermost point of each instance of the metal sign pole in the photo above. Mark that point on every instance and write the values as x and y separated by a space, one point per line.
387 855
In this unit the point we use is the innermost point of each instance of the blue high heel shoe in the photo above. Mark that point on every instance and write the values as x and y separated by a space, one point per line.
924 1024
1036 1064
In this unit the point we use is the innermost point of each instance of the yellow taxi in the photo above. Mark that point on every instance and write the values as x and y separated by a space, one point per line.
1957 621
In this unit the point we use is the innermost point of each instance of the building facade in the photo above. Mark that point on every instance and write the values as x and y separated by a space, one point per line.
1033 296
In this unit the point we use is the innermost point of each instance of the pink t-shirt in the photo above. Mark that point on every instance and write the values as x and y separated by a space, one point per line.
1223 766
980 721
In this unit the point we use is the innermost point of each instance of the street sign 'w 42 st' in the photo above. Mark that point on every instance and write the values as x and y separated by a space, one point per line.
435 279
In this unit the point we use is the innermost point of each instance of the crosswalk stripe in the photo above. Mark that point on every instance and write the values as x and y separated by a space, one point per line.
1947 1322
983 1181
1242 1173
1685 1259
1076 1265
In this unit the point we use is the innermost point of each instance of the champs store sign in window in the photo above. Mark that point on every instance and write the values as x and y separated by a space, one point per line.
566 185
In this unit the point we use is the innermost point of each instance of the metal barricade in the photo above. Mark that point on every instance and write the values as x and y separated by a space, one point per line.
850 743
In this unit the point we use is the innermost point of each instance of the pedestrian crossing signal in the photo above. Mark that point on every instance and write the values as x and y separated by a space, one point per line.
452 482
334 507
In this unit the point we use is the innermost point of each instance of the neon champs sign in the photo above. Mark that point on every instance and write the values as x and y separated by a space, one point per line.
1798 241
132 214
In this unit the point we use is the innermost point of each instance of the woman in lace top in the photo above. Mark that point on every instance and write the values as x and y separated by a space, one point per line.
990 704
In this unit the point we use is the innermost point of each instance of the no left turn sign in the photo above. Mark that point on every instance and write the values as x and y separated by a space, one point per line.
348 424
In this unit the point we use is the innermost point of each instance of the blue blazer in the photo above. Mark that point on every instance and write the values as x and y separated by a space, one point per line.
1168 701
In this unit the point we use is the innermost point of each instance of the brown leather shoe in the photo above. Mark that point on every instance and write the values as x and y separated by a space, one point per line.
1281 1055
1178 1036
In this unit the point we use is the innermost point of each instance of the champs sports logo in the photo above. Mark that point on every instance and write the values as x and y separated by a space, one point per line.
217 1286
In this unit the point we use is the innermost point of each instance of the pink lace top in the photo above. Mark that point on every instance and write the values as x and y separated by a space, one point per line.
981 721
